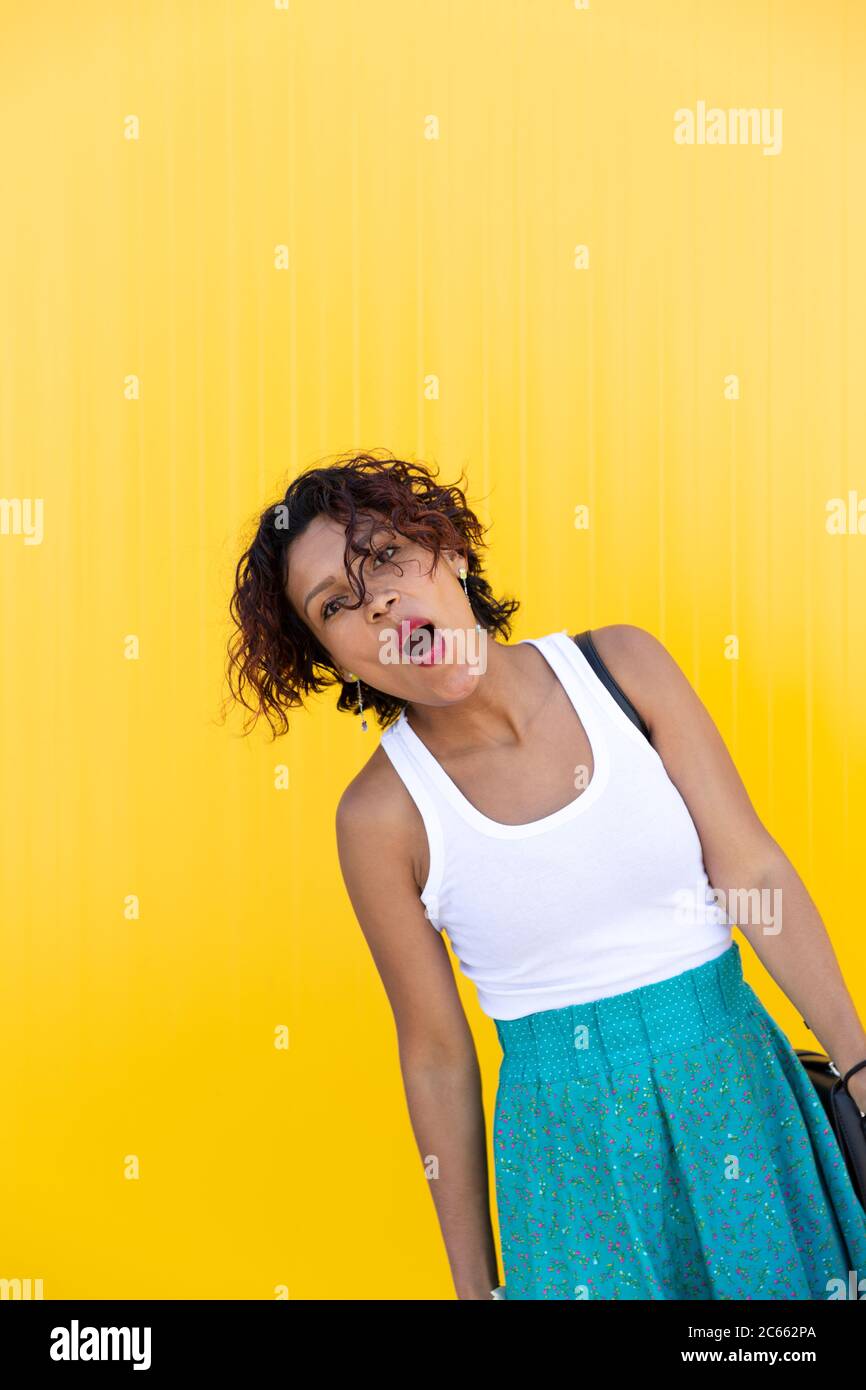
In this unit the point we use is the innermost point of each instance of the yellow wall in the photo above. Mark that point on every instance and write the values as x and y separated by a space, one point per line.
408 257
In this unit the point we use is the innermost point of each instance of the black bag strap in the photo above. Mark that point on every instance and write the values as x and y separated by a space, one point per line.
851 1071
588 647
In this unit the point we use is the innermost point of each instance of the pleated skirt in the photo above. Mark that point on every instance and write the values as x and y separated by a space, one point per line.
667 1143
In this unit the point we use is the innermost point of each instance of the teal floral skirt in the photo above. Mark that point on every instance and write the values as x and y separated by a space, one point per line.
667 1143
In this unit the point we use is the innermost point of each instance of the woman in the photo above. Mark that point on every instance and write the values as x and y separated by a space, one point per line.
561 810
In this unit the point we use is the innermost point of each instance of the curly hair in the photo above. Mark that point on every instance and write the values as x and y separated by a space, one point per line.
273 656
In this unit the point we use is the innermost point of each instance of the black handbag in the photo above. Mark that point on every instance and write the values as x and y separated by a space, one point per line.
842 1111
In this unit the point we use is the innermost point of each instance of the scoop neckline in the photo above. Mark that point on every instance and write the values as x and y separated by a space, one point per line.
565 668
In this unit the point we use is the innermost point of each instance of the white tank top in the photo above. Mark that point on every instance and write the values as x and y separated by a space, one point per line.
604 895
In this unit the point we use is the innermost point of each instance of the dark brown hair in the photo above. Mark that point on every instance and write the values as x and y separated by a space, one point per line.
274 658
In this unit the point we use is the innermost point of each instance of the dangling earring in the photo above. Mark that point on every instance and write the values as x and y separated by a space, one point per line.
353 677
462 573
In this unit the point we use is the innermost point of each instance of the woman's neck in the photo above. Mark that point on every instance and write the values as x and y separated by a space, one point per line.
510 690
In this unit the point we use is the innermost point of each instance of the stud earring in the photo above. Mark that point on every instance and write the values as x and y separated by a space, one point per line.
352 677
462 573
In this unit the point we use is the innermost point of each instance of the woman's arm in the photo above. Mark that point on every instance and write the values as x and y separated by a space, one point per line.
375 823
801 959
763 894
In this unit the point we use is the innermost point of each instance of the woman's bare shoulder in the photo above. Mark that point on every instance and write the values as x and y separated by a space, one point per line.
631 655
375 793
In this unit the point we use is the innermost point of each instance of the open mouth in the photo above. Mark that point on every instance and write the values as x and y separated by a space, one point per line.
423 646
413 641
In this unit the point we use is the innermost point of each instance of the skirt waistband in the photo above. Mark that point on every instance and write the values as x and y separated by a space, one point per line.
650 1021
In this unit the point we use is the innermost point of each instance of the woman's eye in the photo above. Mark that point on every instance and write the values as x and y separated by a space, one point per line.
387 548
326 608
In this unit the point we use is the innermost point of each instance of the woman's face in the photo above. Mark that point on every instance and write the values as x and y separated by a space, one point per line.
373 641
